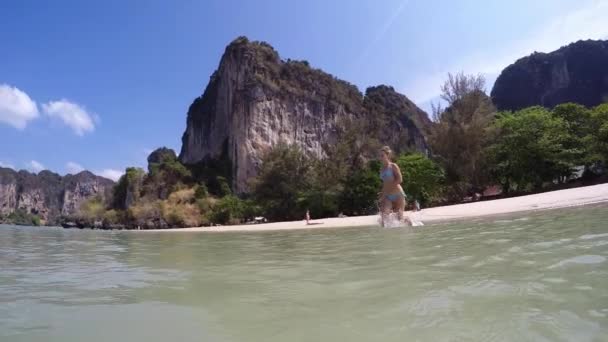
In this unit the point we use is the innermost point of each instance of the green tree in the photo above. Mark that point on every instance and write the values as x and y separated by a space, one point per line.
320 202
222 187
228 210
576 117
360 190
216 173
459 135
166 174
201 191
598 136
422 177
284 173
530 149
579 125
128 188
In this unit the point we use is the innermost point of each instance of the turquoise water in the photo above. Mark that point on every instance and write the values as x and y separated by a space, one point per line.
532 277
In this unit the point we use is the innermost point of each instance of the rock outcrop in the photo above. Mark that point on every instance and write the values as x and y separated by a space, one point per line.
575 73
255 100
80 187
47 194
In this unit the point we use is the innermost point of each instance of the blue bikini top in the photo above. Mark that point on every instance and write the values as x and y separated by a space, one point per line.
387 174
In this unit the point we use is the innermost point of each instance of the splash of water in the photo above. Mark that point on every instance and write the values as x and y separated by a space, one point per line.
392 221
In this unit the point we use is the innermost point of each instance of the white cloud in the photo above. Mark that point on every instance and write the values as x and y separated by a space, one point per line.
16 107
8 165
73 168
111 174
585 23
72 114
34 166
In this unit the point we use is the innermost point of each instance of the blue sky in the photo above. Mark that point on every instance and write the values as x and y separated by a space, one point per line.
99 84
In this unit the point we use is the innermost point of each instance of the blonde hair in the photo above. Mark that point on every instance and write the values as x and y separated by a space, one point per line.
387 150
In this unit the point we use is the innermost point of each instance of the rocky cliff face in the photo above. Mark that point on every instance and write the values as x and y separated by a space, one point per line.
47 194
255 100
575 73
80 187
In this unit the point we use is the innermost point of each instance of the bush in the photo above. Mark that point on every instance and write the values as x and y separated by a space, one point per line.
200 191
228 210
35 220
92 209
205 204
361 187
223 186
530 149
111 217
166 174
284 173
144 213
23 218
181 209
320 202
422 178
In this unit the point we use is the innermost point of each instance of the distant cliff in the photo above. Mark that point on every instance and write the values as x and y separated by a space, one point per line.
48 195
575 73
254 100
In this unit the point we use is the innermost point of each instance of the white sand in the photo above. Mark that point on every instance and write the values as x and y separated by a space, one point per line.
548 200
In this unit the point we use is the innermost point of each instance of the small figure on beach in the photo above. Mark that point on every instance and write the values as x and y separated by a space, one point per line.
307 217
392 196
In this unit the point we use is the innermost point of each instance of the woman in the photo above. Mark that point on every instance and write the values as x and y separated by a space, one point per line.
392 196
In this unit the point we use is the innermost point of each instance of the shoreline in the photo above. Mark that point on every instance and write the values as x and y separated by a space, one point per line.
580 196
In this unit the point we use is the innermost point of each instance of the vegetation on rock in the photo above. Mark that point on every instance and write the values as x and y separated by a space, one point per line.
575 73
21 218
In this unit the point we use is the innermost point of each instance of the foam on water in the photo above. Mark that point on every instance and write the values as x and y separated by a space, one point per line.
392 221
580 260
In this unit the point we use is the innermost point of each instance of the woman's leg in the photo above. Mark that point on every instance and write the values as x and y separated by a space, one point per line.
385 207
399 205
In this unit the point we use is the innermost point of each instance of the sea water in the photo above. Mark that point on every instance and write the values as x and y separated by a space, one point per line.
526 277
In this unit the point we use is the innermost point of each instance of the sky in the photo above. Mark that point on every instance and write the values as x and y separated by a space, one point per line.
97 85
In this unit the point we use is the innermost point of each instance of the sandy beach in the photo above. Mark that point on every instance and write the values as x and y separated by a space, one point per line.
548 200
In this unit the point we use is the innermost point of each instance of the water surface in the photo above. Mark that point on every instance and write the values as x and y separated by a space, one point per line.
530 277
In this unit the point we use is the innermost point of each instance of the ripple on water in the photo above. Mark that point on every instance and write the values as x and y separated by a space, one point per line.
580 260
497 241
491 260
548 244
453 261
555 280
515 249
597 314
488 232
433 302
486 287
593 236
513 220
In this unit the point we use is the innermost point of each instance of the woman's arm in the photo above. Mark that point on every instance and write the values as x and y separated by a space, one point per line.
397 172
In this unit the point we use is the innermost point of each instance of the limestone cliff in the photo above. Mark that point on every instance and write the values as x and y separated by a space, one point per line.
574 73
48 195
80 187
254 100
